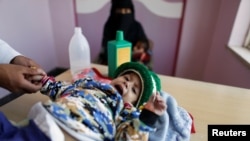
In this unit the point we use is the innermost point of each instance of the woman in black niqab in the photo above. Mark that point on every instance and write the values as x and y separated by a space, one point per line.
122 17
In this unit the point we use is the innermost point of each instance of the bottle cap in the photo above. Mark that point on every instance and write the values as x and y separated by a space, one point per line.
119 35
78 29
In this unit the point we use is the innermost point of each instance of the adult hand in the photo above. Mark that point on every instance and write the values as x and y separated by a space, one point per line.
156 104
19 79
27 62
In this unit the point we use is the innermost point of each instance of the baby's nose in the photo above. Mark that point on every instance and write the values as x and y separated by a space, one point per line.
129 84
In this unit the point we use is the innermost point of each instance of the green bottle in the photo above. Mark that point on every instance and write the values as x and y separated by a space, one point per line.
119 52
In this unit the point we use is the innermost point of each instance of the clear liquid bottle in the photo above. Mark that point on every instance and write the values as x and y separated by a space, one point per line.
79 52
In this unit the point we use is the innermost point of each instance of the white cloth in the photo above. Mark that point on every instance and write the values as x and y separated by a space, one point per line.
45 122
7 53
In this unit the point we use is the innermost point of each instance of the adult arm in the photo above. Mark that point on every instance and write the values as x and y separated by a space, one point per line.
18 73
7 53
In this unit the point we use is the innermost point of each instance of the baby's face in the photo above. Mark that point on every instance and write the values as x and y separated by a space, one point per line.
139 47
129 86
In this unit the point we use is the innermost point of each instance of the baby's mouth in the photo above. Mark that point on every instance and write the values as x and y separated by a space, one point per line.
119 89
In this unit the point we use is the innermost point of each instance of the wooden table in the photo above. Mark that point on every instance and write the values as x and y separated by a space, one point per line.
208 103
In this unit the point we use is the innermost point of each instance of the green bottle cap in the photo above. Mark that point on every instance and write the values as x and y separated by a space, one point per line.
119 35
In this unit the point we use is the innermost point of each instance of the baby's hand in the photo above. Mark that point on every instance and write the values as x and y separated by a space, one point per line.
156 104
36 79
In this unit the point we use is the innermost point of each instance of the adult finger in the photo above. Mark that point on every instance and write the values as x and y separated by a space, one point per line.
29 87
32 71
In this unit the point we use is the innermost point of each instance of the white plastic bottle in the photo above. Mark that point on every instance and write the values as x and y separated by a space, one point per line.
79 52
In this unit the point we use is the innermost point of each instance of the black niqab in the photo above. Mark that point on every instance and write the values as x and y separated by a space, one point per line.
132 29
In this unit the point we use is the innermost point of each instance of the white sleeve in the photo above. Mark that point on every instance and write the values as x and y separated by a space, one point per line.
7 53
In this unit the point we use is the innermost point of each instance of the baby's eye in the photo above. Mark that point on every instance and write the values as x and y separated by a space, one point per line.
126 78
134 90
140 47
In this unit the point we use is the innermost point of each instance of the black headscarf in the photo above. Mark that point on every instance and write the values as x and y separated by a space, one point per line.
132 29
